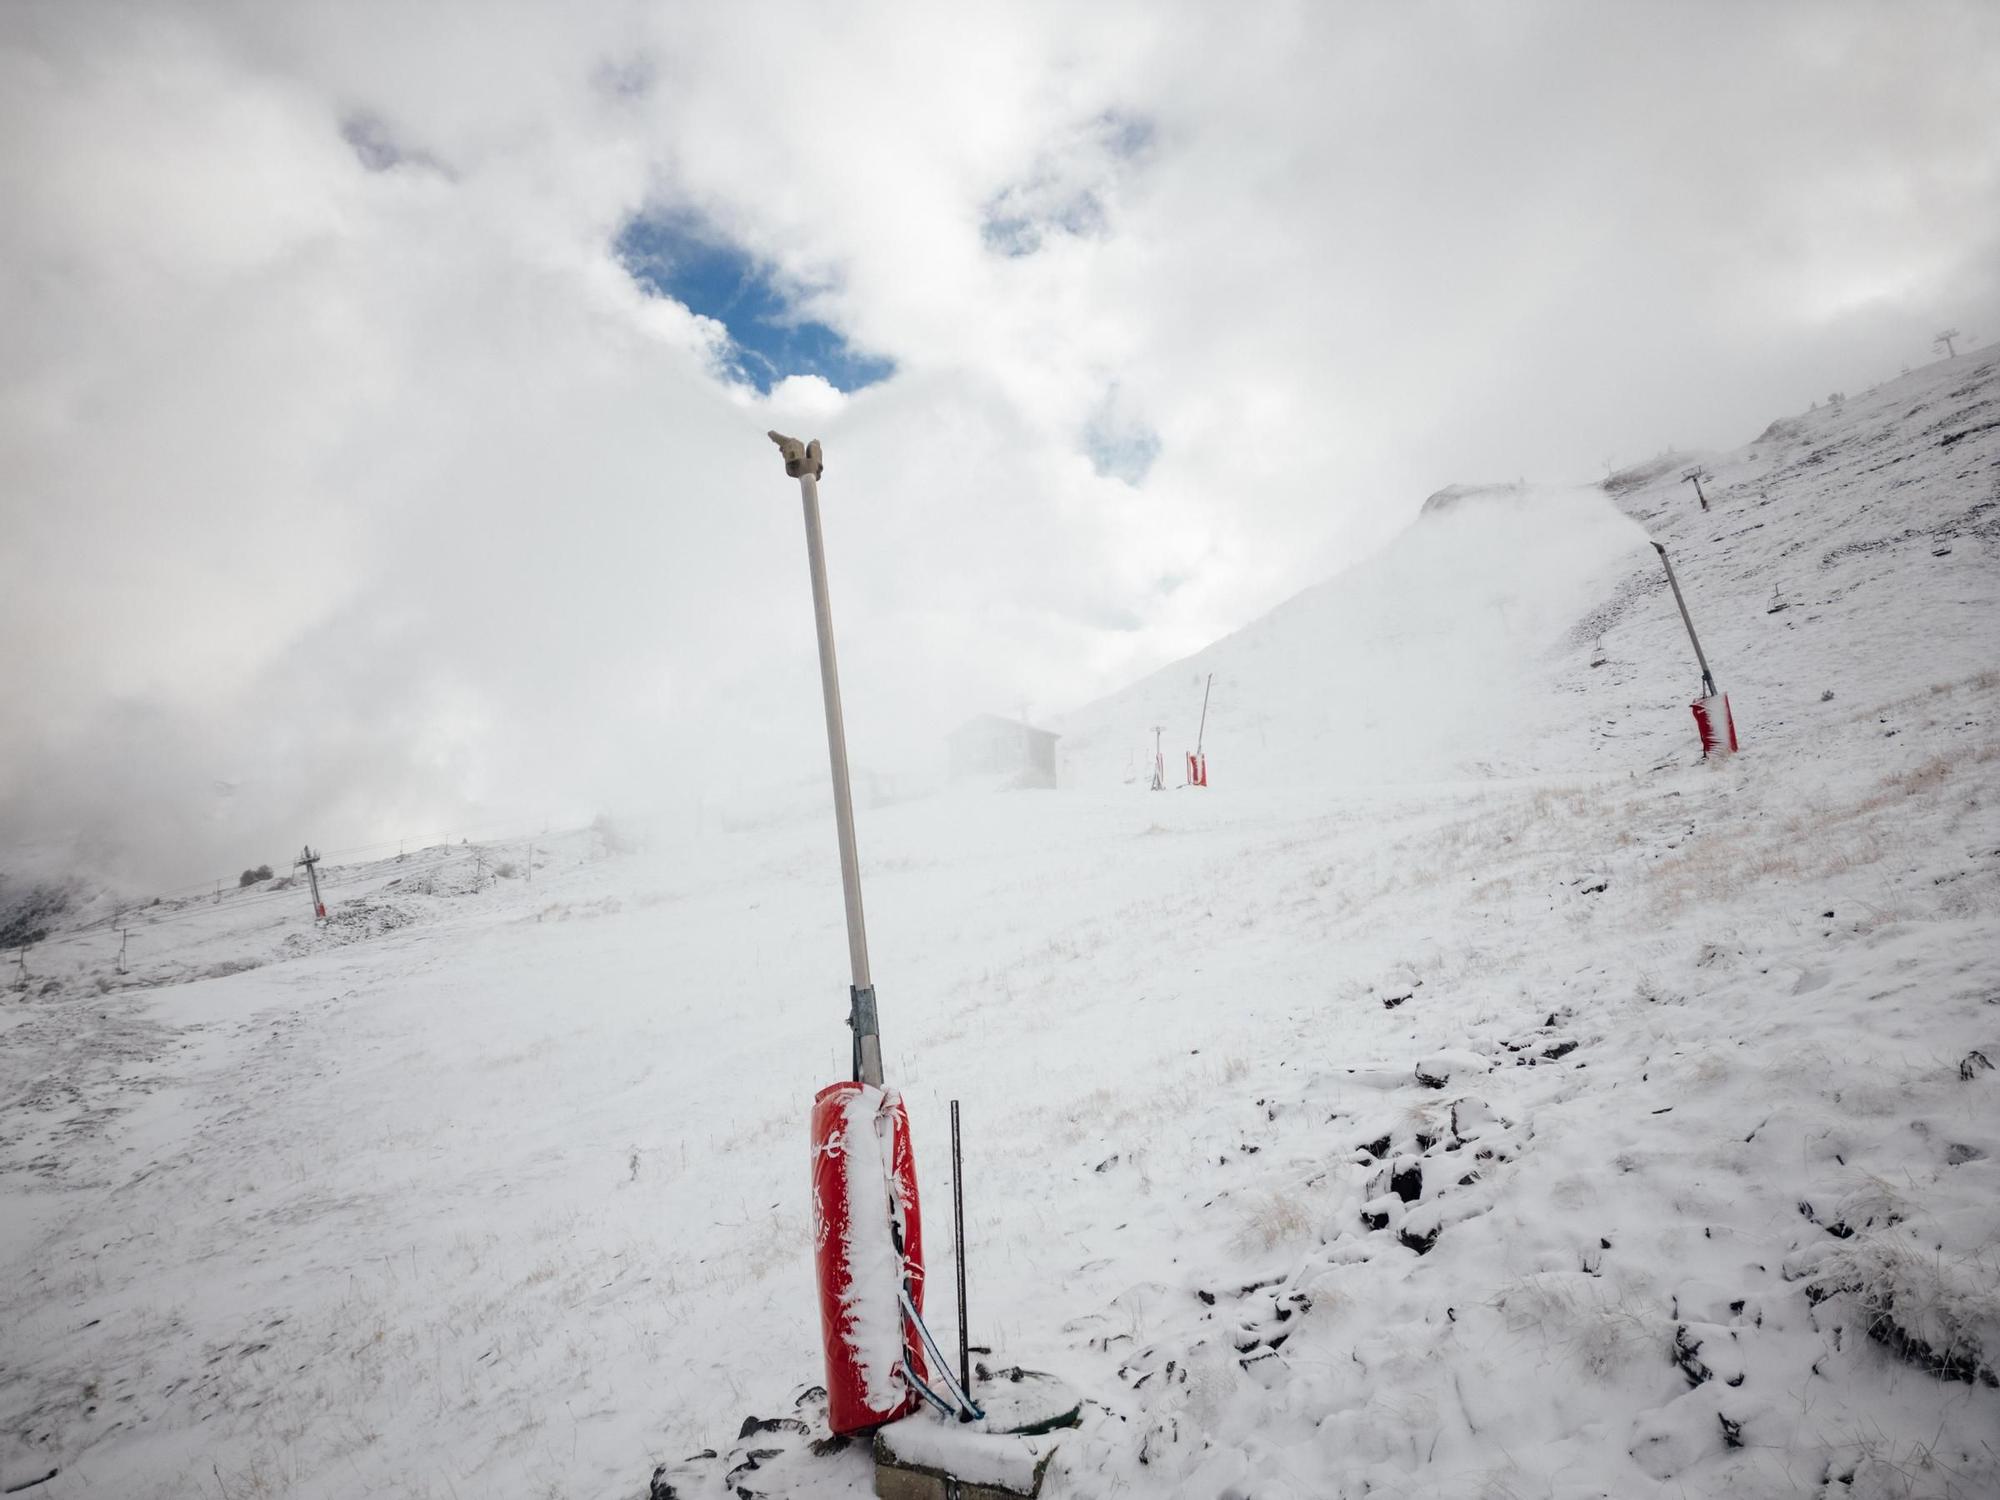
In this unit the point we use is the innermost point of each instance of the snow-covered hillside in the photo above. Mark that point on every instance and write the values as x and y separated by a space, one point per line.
1837 542
1472 1093
1423 663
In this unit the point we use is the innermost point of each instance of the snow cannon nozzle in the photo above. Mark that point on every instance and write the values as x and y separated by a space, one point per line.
801 459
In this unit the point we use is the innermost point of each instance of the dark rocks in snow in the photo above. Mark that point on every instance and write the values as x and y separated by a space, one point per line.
771 1456
771 1424
1374 1221
1837 1229
1973 1064
1377 1148
1407 1182
1965 1361
1421 1243
1390 1002
1471 1119
1687 1354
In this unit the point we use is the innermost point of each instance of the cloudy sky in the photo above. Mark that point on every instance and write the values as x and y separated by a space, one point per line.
383 387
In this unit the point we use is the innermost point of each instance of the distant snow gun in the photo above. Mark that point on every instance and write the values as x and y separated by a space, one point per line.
1712 718
1197 763
867 1230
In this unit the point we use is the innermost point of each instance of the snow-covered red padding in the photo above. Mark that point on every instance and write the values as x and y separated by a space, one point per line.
867 1244
1716 725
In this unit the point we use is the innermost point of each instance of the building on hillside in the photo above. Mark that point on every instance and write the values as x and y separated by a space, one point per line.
1016 754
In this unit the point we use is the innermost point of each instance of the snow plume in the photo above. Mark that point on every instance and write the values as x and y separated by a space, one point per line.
1420 662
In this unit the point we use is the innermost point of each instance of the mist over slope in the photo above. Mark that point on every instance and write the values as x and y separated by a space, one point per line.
1514 630
1413 664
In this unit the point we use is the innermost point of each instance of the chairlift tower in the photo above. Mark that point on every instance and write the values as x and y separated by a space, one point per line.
311 862
1694 477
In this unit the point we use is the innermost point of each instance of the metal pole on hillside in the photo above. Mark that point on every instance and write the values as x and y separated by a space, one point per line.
1707 677
802 462
1694 477
1199 733
311 861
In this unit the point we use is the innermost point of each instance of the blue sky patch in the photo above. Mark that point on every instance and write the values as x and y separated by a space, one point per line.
1013 230
1118 444
769 339
1065 192
1125 136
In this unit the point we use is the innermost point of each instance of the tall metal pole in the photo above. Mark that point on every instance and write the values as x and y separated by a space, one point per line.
1204 714
802 462
1707 678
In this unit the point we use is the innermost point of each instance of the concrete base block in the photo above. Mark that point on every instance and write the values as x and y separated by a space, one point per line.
898 1479
922 1459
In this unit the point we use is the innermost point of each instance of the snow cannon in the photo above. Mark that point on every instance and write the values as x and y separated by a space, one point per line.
1197 767
867 1233
1713 722
867 1254
867 1236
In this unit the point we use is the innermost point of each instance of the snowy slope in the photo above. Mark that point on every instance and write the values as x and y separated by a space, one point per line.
1527 1109
1453 652
1425 662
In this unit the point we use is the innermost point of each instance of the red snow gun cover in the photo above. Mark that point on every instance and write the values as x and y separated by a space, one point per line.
867 1246
1716 725
1197 772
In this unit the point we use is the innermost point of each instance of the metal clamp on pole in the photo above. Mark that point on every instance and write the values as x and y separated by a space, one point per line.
803 463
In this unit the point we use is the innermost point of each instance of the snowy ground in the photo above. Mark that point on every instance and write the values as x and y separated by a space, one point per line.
1535 1111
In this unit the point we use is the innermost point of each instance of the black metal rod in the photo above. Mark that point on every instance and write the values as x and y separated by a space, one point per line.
958 1236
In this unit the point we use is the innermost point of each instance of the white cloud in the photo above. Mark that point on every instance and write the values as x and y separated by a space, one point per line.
385 493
